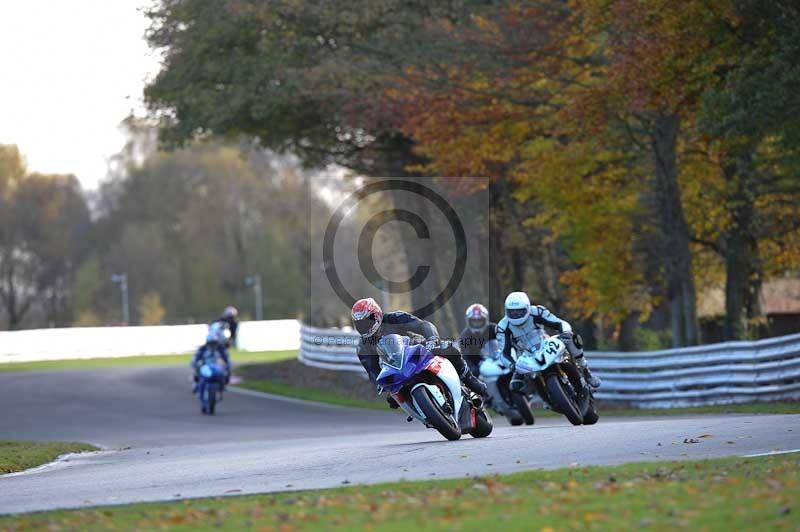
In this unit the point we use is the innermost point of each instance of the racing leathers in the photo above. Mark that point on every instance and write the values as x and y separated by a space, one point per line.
406 324
233 326
477 345
529 335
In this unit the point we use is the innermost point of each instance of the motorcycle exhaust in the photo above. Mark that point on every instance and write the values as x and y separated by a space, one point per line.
476 400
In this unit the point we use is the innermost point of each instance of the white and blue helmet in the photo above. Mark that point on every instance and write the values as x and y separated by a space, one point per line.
518 307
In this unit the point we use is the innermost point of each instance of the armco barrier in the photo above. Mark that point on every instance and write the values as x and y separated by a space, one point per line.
96 342
731 372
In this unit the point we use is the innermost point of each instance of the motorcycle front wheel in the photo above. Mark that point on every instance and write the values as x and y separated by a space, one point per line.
434 414
211 390
522 405
563 401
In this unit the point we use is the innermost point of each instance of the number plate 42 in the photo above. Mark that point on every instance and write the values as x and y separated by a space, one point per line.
548 353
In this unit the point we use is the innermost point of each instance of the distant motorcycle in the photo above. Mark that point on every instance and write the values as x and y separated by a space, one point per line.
496 373
210 386
428 389
554 376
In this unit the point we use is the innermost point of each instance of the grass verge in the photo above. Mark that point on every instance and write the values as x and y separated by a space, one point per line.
21 455
724 494
239 357
311 394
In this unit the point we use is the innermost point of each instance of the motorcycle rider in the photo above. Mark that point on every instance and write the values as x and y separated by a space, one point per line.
230 317
479 339
372 324
211 352
523 329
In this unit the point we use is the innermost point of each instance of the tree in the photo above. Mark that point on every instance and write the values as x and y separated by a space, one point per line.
749 110
43 240
151 312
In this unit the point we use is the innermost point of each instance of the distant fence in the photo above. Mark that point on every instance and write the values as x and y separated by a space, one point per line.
97 342
726 373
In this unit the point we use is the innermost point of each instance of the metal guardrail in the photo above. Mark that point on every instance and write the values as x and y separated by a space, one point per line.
725 373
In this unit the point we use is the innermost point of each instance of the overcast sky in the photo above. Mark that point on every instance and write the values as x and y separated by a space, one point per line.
71 71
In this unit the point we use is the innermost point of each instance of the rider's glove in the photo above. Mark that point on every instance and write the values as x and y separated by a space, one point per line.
504 363
432 343
565 336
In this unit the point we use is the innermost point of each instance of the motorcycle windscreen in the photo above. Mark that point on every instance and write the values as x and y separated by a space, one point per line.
391 349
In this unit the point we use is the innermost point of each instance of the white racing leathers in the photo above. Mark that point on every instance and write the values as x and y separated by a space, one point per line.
529 335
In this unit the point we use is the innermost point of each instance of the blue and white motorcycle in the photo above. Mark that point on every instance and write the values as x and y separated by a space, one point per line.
428 389
554 376
209 387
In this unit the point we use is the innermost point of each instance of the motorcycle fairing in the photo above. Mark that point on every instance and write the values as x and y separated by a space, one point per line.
550 352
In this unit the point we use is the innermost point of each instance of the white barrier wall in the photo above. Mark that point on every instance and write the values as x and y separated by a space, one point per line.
98 342
731 372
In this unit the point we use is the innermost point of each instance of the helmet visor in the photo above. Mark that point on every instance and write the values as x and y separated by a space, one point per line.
391 349
516 313
477 323
366 325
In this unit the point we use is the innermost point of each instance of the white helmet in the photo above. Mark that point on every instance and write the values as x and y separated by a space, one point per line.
518 307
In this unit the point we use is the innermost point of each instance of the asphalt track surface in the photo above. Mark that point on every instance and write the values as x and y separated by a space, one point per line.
159 446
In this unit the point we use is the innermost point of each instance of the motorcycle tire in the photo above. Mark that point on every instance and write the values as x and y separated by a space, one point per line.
483 424
434 414
211 390
523 407
560 399
591 416
515 421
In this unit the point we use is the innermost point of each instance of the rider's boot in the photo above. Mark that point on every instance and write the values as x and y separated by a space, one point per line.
475 384
591 379
517 383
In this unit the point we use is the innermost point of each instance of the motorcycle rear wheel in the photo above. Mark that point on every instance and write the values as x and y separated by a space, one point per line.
434 414
483 424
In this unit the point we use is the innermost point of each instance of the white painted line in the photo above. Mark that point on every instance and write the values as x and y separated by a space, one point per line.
771 453
64 460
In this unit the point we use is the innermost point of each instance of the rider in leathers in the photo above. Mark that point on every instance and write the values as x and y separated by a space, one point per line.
523 328
478 339
372 324
214 350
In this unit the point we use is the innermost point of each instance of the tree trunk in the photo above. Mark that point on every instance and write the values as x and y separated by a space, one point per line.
627 333
742 265
676 254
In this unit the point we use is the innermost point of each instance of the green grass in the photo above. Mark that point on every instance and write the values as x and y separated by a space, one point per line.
310 394
725 494
239 357
20 455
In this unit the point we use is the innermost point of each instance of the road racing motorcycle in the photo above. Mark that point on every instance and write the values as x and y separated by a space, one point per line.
496 373
210 385
552 373
428 388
